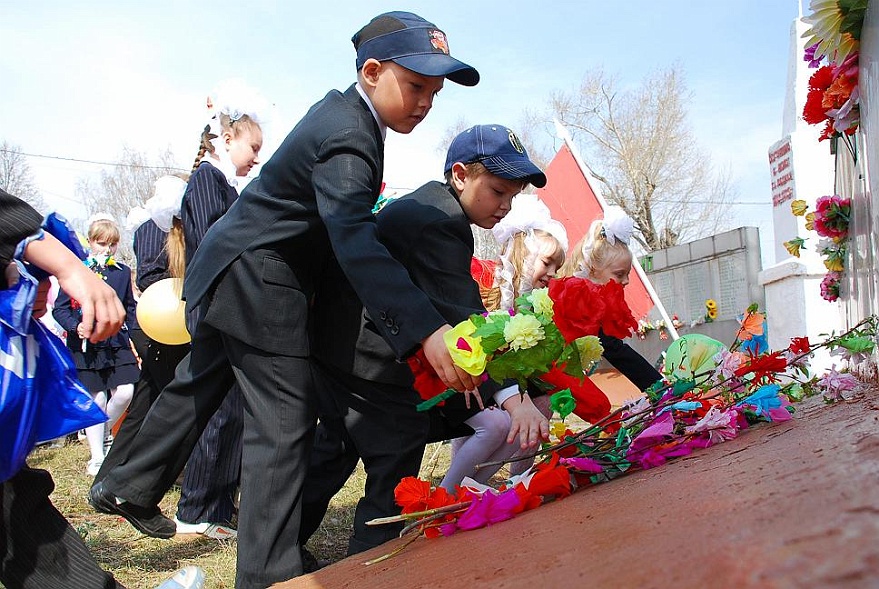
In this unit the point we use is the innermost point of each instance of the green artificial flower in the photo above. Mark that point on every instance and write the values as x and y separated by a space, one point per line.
563 403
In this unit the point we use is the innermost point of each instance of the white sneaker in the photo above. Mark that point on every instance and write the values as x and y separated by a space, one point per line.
187 528
215 531
191 577
94 466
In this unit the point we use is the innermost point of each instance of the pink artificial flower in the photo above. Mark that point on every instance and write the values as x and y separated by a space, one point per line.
834 384
582 464
719 425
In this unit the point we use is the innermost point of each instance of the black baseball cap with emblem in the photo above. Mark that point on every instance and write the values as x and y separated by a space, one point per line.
414 43
498 149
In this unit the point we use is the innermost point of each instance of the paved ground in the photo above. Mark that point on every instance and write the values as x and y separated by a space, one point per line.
784 505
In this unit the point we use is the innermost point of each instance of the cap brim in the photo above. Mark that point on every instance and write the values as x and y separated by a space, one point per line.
440 64
515 169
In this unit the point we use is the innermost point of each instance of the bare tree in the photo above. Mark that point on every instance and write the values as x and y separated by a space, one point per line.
16 177
124 186
639 146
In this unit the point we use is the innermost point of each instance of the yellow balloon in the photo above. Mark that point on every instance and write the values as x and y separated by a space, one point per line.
161 313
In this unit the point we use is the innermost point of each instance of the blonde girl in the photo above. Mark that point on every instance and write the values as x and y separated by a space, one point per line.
107 369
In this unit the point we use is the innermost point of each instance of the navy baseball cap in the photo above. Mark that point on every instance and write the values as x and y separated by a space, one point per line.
498 149
412 42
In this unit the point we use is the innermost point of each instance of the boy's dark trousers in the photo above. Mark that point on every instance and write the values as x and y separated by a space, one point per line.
278 424
375 422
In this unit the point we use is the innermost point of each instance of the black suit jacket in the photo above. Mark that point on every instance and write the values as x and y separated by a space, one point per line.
308 213
429 233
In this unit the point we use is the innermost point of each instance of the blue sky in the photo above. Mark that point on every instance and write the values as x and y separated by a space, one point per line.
81 79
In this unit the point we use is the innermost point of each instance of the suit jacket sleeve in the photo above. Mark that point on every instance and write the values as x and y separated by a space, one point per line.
204 202
149 250
18 221
343 180
630 363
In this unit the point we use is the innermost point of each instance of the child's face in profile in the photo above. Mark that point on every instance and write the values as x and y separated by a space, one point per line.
244 148
485 198
401 97
545 265
617 269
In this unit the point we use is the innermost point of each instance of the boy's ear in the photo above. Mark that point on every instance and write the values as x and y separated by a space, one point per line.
370 71
459 176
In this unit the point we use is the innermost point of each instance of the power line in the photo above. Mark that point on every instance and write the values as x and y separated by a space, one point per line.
82 161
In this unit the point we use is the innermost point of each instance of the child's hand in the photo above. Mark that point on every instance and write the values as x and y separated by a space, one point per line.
437 354
102 312
528 422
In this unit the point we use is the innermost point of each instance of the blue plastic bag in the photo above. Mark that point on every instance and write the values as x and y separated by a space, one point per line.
40 396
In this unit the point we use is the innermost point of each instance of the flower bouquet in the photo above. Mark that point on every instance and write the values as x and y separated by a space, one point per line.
544 333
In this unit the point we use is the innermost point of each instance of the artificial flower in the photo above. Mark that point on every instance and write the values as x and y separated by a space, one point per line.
591 402
584 464
710 304
718 424
541 302
727 363
523 331
793 246
764 366
854 348
751 325
486 508
427 383
834 384
799 345
562 403
798 207
465 348
768 402
830 285
810 221
832 215
558 429
550 480
590 349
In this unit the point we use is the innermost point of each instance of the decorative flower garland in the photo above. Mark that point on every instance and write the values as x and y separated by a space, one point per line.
834 39
830 220
707 397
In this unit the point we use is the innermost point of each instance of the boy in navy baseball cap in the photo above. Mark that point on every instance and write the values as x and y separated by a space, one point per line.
499 150
429 232
412 42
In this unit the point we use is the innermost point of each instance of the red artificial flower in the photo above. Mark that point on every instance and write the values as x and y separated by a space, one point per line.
766 365
483 271
821 79
618 320
527 499
550 480
427 383
577 307
414 495
581 307
814 112
800 345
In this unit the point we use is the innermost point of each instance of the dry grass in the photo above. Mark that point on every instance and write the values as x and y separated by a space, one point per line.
140 562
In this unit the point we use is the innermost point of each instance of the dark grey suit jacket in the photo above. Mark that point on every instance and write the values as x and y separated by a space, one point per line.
308 213
429 233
